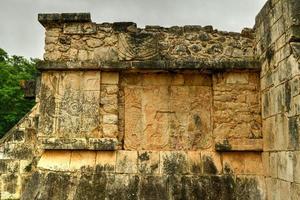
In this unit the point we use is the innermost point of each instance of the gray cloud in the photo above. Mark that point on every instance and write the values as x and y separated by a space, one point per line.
21 34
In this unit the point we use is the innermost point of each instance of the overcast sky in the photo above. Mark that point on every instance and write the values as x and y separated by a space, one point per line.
21 34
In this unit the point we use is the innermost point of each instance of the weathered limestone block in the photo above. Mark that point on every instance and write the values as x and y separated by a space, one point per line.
94 42
274 159
268 129
55 160
153 187
285 165
272 187
281 134
82 159
149 162
296 167
243 163
284 189
9 166
127 162
10 186
173 162
110 119
106 161
125 187
110 130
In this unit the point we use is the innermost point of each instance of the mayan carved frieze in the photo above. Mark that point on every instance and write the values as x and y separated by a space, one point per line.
167 111
71 111
141 46
71 99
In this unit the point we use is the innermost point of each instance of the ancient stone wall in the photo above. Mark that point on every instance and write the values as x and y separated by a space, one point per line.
78 39
277 45
154 113
18 155
161 113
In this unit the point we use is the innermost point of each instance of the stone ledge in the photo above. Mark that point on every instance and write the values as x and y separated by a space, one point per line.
56 18
53 18
239 145
175 65
104 144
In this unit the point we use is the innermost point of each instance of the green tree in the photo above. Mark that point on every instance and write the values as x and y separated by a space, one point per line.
13 105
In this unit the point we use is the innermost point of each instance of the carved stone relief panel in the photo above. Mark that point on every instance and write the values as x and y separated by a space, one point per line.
168 112
140 46
70 105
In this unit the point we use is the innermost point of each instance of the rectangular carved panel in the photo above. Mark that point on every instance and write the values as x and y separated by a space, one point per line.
167 111
70 108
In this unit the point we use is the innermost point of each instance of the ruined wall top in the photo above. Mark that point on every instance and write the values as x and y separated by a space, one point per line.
74 41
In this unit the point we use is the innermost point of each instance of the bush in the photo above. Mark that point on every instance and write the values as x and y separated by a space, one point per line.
13 105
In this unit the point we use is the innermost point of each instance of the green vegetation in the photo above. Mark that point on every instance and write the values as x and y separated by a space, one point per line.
13 105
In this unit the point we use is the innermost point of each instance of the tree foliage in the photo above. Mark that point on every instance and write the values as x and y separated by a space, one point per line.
13 105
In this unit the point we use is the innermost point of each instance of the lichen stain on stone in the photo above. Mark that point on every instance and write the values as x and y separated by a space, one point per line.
121 189
91 186
227 169
288 96
47 186
247 188
293 124
209 166
104 168
196 168
224 146
154 166
56 186
144 156
31 188
11 182
197 121
174 163
153 188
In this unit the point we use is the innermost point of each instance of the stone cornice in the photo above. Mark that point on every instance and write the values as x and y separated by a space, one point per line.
160 65
52 18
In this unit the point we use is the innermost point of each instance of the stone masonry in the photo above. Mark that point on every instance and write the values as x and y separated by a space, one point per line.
161 113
